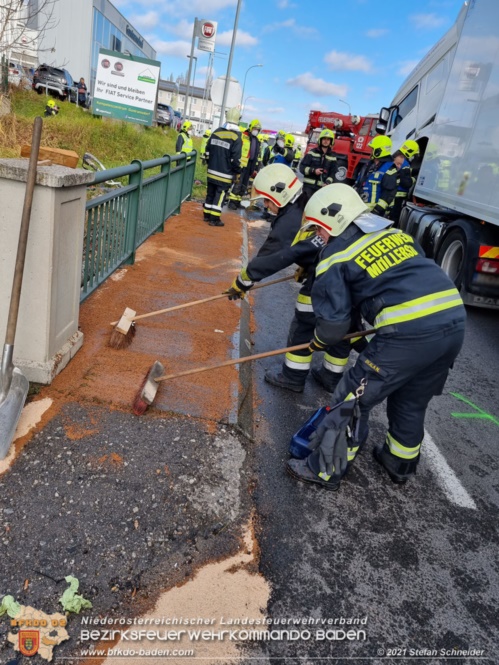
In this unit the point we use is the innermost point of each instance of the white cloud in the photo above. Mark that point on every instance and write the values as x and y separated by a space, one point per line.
376 33
427 21
290 24
406 67
318 86
275 110
177 48
347 61
243 38
285 4
148 20
183 29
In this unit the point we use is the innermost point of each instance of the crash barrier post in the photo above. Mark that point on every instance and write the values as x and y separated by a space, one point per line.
119 221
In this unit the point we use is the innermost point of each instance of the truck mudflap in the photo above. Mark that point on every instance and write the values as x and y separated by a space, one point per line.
479 301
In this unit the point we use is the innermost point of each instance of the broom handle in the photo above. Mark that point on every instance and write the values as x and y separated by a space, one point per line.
257 356
200 302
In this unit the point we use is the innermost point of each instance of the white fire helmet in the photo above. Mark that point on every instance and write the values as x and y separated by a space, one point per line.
278 183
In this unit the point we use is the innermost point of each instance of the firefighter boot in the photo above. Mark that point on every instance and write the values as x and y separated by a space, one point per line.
300 470
327 379
399 470
276 378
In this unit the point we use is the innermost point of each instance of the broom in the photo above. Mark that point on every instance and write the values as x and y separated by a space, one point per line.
150 384
124 329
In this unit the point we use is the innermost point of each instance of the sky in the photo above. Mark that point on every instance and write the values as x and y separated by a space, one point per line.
313 54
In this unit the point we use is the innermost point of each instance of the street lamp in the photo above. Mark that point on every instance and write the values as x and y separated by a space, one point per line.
244 84
244 104
349 109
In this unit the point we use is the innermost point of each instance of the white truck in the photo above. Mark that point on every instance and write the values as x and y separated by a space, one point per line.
450 105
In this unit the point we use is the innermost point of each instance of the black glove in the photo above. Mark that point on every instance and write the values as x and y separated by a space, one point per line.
333 450
378 210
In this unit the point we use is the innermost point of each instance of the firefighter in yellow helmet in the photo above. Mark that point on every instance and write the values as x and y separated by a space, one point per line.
381 180
250 159
319 164
184 139
223 154
298 156
402 158
420 321
51 109
282 153
206 136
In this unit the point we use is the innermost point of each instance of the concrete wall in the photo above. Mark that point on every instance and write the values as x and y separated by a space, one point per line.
47 333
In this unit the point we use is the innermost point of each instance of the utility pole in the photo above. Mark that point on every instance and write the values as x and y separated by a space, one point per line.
186 104
229 66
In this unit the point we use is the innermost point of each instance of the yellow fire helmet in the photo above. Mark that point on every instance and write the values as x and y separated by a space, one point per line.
255 124
186 125
409 149
51 103
381 146
327 134
289 141
233 115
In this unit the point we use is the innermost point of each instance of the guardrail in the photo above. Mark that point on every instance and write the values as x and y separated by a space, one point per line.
118 222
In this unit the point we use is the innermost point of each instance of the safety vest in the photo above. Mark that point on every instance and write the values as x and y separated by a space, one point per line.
187 145
203 144
245 152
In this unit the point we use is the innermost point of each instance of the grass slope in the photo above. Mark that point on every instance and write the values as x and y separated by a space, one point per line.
114 142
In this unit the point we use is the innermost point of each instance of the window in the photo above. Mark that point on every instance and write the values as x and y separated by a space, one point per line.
436 76
115 43
405 107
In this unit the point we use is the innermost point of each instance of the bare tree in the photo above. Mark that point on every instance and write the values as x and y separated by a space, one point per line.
22 23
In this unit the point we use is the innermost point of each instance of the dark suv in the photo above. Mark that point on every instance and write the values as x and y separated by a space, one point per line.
164 115
55 80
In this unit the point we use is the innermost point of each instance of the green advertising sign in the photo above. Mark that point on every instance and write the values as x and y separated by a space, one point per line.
126 87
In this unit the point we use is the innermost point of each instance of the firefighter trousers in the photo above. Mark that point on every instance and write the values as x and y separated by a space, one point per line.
215 195
240 187
407 371
301 330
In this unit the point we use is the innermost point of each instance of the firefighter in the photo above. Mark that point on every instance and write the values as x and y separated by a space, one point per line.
406 179
204 141
282 151
297 158
184 139
419 317
223 154
264 149
250 157
51 109
381 180
319 165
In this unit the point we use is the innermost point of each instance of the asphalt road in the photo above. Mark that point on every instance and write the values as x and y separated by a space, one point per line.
416 566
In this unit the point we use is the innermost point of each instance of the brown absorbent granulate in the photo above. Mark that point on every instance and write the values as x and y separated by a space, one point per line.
190 260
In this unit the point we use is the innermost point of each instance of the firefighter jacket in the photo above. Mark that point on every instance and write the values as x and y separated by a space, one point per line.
250 152
223 153
280 155
387 278
264 154
318 159
380 185
405 180
284 245
184 143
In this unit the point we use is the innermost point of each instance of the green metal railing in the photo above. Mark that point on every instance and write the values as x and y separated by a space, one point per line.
118 222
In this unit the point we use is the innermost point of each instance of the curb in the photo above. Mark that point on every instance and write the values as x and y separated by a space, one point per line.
242 415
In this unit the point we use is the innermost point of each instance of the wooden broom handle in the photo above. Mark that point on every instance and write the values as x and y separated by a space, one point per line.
200 302
257 356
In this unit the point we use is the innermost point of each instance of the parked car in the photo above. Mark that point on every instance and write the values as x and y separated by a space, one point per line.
164 115
178 120
19 75
54 80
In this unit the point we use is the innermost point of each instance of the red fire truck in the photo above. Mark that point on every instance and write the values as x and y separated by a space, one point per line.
353 133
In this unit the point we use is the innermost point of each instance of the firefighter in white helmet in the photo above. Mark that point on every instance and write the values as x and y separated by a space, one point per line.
419 317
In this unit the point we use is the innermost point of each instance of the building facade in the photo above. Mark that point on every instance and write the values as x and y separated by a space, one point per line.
202 112
78 29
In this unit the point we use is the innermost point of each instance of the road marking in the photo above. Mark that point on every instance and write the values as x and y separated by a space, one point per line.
448 480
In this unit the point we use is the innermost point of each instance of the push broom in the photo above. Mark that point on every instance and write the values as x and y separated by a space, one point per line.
150 385
124 329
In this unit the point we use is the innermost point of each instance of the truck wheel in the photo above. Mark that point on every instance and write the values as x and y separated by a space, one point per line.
451 257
